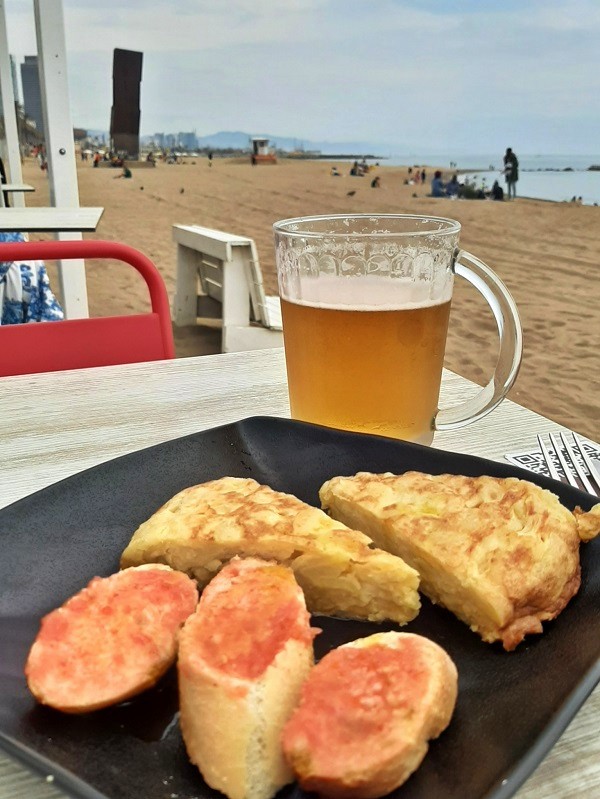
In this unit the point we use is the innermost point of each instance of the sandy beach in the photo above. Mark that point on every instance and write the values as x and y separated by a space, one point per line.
546 253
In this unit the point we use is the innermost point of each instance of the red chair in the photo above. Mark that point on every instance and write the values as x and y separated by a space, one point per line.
80 343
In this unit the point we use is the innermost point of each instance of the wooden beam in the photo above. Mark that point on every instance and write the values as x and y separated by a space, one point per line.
60 146
13 151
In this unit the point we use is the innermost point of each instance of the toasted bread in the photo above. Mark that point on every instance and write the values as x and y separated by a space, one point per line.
339 570
112 640
366 714
242 659
502 554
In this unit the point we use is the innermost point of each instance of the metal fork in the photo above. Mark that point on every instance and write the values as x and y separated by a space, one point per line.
570 465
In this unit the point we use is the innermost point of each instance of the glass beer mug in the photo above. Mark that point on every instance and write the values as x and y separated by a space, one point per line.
365 303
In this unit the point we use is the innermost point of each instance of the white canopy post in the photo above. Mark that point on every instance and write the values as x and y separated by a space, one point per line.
60 146
12 154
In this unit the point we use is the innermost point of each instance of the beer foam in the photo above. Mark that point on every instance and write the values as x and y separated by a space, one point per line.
368 293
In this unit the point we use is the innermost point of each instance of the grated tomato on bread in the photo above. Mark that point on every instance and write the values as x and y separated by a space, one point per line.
112 640
366 714
242 659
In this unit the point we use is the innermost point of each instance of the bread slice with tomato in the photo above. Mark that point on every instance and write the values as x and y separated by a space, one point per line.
112 640
243 657
366 714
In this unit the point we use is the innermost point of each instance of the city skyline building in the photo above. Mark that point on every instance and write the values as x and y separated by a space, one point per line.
187 141
32 96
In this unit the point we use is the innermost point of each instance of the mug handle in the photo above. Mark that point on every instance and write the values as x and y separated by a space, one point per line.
511 344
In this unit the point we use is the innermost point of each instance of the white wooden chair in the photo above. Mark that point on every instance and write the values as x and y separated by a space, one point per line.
219 277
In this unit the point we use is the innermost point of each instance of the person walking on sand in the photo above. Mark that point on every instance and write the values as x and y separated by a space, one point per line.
511 173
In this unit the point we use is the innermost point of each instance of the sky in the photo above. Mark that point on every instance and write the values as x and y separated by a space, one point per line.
457 76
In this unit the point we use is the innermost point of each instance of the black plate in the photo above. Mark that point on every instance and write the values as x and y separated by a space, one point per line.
511 707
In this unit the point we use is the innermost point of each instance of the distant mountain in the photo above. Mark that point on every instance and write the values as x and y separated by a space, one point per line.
240 140
227 140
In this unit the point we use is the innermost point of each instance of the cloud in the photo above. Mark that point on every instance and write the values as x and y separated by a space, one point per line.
422 71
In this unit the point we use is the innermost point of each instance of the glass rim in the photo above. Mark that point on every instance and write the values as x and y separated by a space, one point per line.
450 226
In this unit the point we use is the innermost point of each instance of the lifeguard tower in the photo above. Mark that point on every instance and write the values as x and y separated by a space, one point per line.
261 152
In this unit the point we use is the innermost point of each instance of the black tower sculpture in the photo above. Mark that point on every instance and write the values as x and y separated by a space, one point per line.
125 112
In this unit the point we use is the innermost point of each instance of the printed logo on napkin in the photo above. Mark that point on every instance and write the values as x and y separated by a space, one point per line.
534 461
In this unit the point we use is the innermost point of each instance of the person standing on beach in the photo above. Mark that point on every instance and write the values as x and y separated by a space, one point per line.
511 173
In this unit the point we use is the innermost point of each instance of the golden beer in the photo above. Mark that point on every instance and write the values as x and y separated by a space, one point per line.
366 369
365 300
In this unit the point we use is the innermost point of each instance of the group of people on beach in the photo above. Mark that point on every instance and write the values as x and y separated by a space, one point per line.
465 189
359 169
416 176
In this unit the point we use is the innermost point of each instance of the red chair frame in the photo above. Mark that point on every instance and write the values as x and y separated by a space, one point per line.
80 343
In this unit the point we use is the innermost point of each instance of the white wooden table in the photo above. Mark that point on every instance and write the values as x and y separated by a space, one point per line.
57 424
14 187
50 220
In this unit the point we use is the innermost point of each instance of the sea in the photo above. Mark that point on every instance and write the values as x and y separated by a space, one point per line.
544 177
